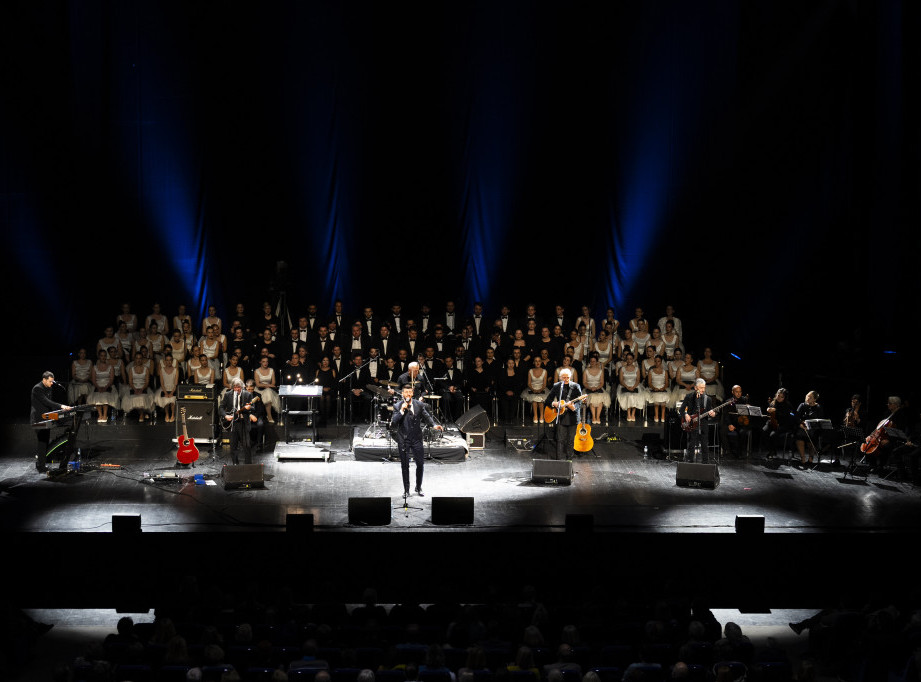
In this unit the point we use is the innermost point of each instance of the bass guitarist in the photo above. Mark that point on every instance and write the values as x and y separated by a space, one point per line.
697 402
235 409
564 399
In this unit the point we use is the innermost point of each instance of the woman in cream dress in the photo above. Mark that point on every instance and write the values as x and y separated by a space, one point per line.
657 386
266 386
79 385
537 390
594 385
630 392
169 380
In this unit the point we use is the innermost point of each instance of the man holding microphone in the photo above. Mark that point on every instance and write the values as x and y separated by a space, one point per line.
407 418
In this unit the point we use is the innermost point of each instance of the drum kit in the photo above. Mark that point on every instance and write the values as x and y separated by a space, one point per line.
382 407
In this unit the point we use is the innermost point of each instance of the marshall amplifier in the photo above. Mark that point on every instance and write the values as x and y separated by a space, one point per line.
195 392
200 418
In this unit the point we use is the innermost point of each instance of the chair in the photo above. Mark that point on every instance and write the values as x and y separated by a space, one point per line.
303 674
737 669
775 671
609 673
258 674
173 673
134 673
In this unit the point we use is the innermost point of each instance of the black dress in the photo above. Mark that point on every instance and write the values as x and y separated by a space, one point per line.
478 388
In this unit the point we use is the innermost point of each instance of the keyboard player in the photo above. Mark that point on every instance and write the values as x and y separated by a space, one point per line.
42 403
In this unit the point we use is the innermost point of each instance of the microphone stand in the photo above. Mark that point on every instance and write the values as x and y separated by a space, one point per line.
349 375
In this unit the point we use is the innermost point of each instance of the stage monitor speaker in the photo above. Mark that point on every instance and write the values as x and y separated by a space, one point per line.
199 417
551 471
474 420
580 523
298 523
691 475
126 524
749 524
243 476
369 511
452 510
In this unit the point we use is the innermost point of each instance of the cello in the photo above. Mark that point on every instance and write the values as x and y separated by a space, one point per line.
875 439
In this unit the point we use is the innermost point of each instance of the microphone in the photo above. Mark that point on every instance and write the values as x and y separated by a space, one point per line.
57 384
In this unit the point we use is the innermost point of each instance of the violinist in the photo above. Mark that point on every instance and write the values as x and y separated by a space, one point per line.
852 414
808 409
735 428
781 421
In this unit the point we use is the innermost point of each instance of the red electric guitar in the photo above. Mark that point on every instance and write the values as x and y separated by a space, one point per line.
187 452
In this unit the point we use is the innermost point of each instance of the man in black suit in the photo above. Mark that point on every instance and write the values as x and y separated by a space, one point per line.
482 327
449 319
697 402
41 403
396 322
450 387
407 419
235 410
257 416
564 393
294 343
320 345
356 342
529 314
440 342
370 323
338 316
560 318
359 399
386 342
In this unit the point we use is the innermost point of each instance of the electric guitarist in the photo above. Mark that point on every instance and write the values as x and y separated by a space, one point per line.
235 409
697 404
565 399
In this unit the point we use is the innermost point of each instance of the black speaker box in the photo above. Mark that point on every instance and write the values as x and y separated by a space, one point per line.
580 523
692 475
199 417
452 510
551 471
243 476
369 511
474 420
749 524
295 524
126 524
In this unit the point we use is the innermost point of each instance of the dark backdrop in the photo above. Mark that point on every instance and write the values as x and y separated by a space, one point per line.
755 164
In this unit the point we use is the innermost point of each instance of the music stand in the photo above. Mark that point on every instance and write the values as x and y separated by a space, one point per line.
817 427
750 411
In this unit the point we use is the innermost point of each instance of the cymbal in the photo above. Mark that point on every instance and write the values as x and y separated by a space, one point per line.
379 391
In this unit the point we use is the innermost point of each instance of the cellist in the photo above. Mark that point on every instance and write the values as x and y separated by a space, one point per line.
878 442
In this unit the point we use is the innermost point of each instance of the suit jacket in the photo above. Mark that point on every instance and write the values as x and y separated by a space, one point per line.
318 350
375 326
391 348
569 417
347 345
409 423
485 325
226 406
689 405
41 402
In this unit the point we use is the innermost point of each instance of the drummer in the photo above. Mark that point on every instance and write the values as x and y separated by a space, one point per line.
412 377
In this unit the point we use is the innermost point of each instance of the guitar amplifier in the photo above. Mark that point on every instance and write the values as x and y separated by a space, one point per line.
195 392
201 416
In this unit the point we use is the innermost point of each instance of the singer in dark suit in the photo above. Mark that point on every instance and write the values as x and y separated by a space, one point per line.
564 392
697 401
407 420
41 403
235 410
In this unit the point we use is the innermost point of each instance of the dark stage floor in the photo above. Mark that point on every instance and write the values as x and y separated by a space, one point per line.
639 513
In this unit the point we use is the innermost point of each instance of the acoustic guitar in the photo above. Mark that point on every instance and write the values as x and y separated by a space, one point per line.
583 441
551 413
187 452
